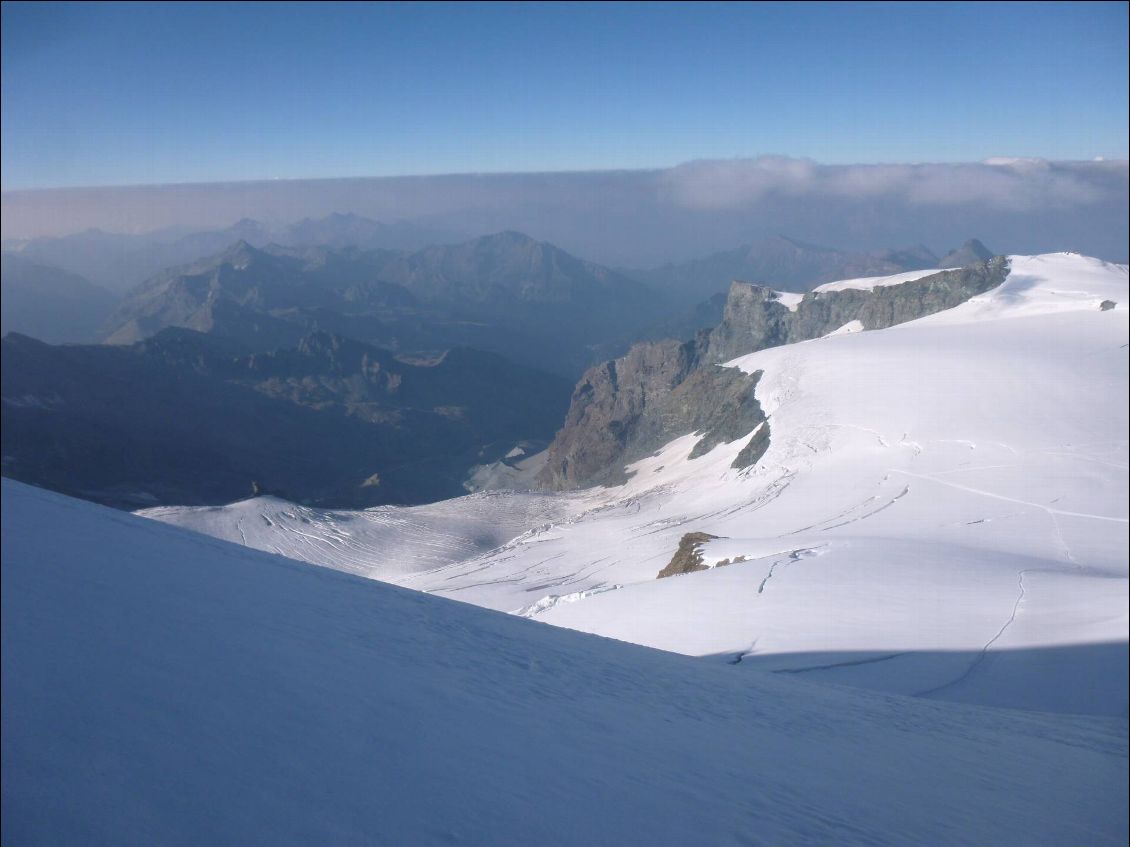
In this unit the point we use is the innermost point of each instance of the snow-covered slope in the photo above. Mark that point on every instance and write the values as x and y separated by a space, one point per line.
868 283
161 687
942 512
382 542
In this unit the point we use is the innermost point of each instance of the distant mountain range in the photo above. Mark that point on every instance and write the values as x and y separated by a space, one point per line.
121 261
185 417
506 293
351 376
969 253
50 304
780 263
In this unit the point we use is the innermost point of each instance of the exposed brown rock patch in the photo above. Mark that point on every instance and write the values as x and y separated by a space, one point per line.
688 558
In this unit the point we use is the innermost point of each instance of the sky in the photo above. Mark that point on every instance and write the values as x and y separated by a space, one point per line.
134 94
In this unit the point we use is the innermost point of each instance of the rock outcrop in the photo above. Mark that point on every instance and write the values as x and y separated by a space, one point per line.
688 558
626 409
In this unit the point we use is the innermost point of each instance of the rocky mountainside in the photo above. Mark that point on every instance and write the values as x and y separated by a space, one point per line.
625 409
50 304
503 267
505 293
780 262
185 417
245 292
755 315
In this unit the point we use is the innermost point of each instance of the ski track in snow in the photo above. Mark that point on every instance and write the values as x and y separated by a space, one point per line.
983 493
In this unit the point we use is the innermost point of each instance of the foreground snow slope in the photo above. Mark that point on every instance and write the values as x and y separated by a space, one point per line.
942 511
164 687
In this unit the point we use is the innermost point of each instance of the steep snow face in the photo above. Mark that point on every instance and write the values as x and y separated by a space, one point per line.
163 687
942 512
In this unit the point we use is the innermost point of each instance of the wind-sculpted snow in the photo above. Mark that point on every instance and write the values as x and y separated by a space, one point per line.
942 511
160 687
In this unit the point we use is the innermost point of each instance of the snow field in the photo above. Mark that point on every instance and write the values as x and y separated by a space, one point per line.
942 512
164 687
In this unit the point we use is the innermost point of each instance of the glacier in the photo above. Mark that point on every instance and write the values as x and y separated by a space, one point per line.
942 512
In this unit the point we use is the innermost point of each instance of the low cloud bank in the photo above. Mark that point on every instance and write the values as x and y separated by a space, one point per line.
646 218
1003 183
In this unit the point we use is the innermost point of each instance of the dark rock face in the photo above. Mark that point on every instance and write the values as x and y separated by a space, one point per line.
627 409
606 408
1107 305
753 451
624 410
752 314
688 558
754 320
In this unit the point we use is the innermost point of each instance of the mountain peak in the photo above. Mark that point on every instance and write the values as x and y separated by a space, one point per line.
240 254
507 237
971 252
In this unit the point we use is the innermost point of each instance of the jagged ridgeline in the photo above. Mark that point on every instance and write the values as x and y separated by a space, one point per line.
506 293
626 409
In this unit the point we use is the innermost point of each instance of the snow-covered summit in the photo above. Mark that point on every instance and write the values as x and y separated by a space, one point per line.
1052 283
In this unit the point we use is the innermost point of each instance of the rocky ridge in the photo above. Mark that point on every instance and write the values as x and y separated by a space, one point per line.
625 409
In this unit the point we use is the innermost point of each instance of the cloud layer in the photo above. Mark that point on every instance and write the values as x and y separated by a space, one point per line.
646 218
1006 184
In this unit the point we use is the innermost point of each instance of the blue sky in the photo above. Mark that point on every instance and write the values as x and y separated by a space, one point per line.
130 94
